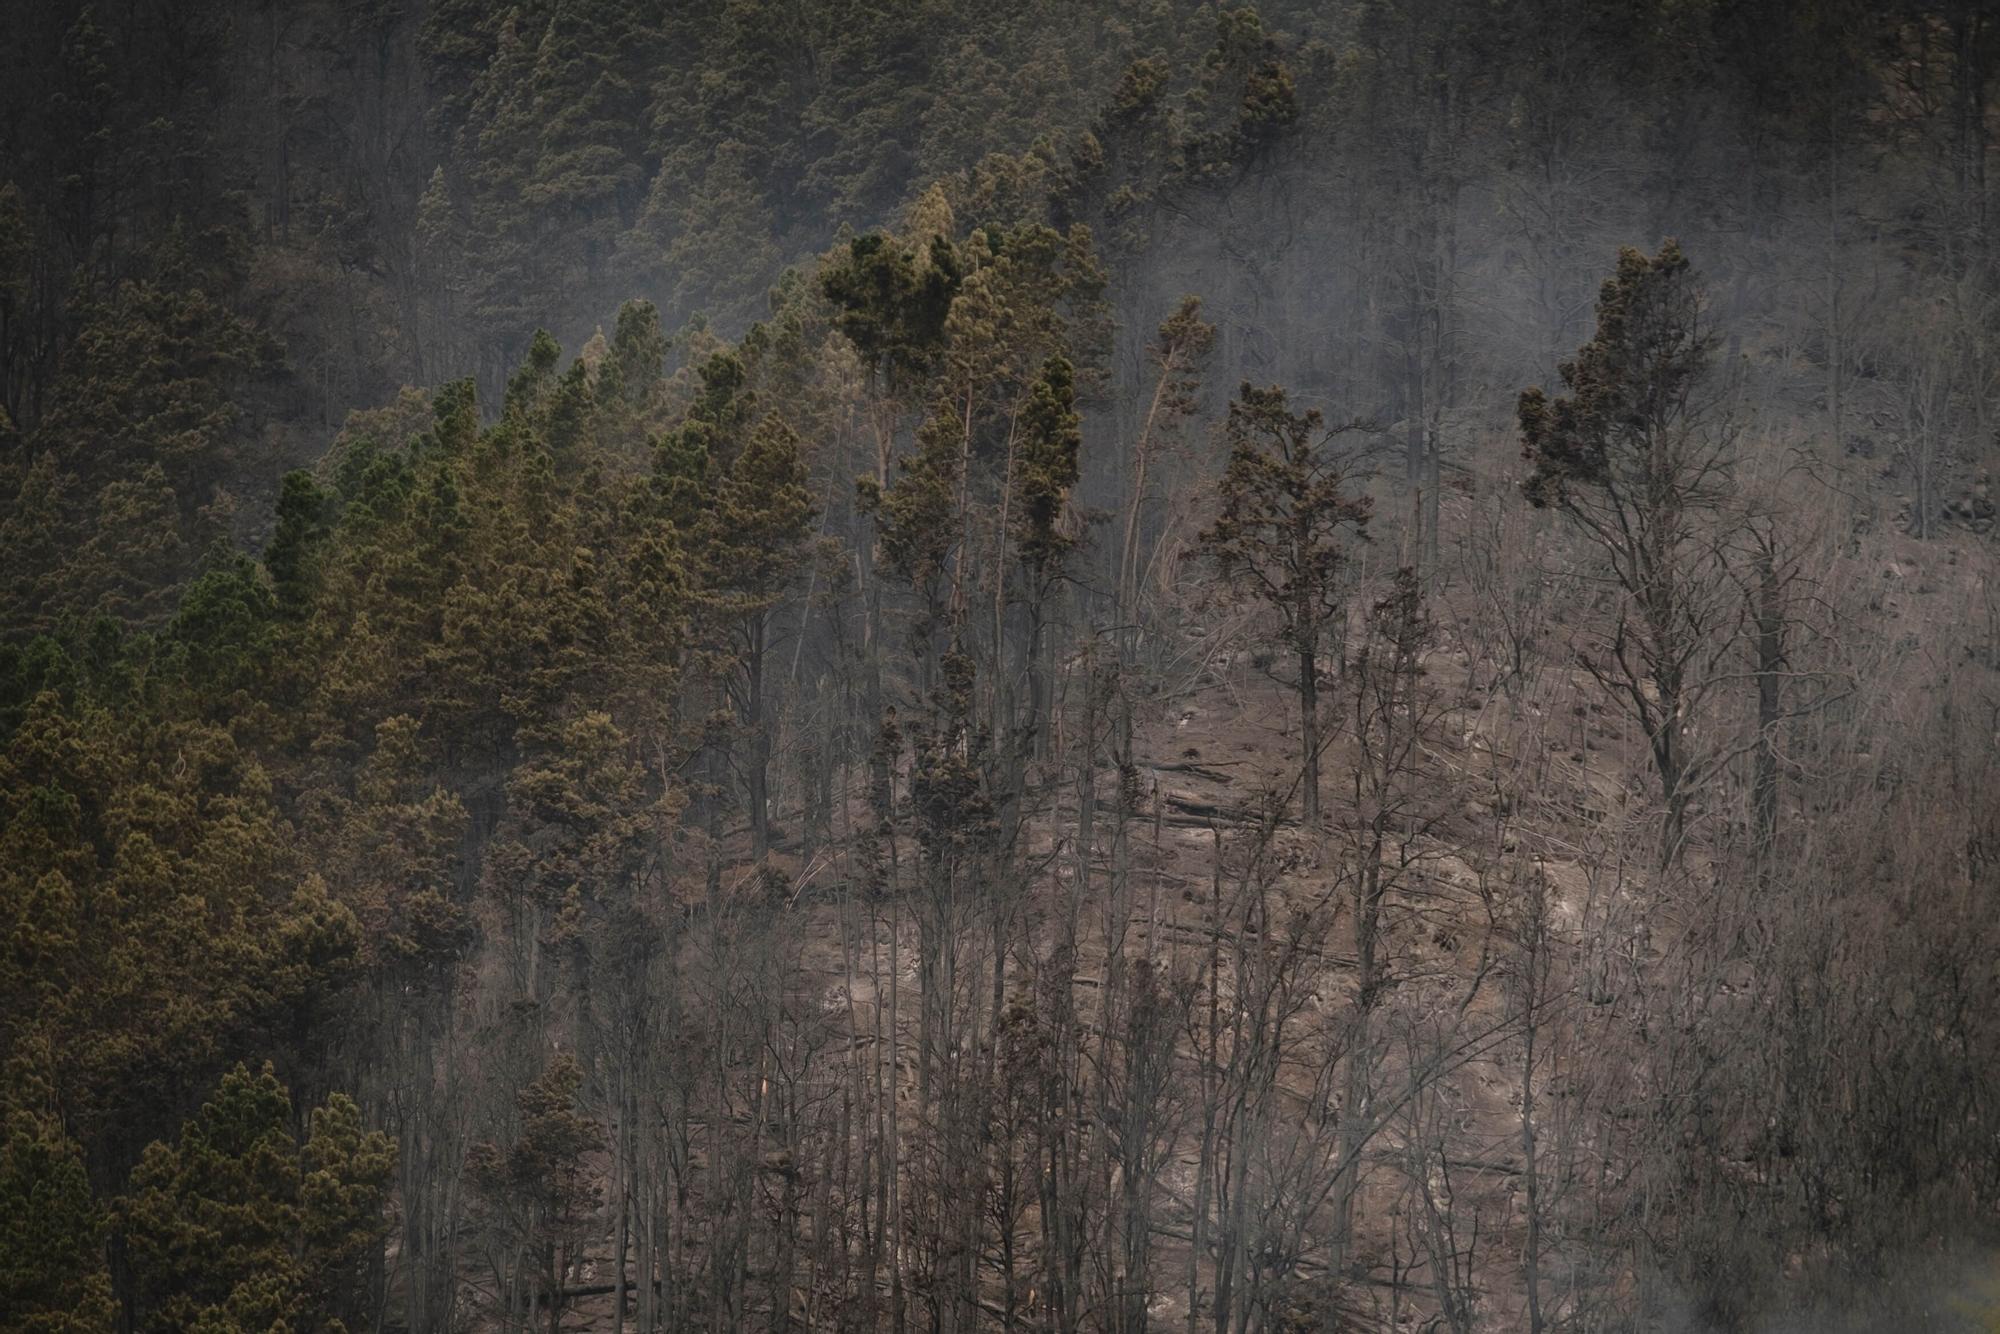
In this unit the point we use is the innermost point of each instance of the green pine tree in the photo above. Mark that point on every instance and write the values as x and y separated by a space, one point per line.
53 1278
236 1226
1287 516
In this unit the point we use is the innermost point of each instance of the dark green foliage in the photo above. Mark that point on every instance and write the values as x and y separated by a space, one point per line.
239 1226
892 301
1638 458
537 1189
1288 512
52 1273
762 512
143 435
578 821
141 852
630 379
1051 435
220 638
1243 51
917 516
955 817
154 378
303 525
1629 387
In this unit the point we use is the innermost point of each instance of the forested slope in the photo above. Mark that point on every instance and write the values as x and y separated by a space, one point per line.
885 666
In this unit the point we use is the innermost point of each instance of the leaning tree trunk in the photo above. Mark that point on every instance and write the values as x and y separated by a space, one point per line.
1309 729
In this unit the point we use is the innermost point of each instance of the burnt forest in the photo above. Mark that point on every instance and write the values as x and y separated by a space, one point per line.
1053 667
